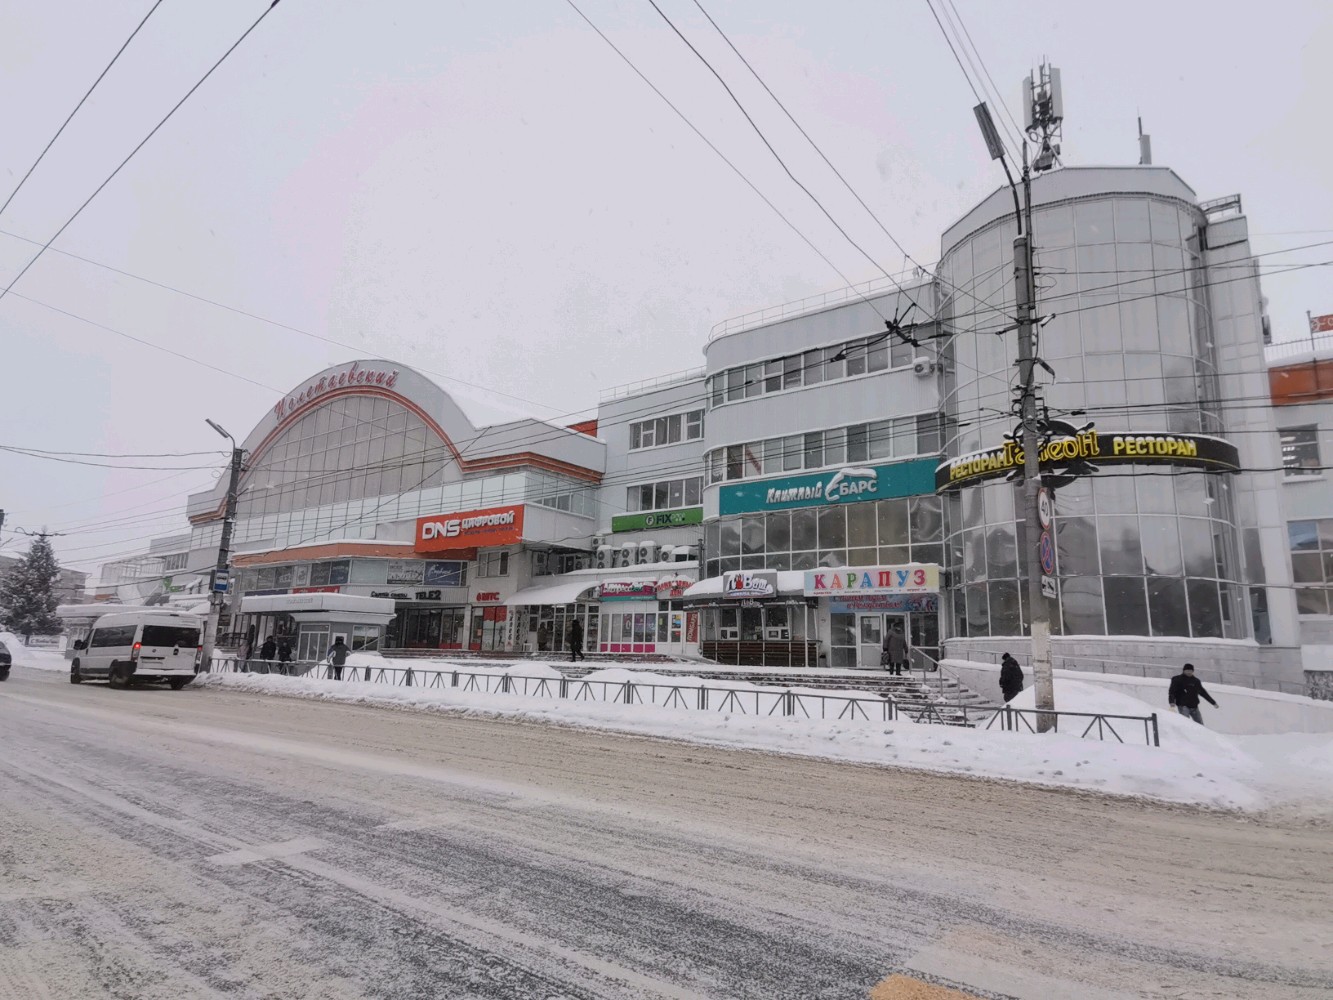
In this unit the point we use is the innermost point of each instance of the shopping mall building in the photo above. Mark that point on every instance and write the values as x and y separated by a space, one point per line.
818 482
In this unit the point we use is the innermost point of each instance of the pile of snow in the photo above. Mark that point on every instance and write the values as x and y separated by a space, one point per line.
36 659
1193 765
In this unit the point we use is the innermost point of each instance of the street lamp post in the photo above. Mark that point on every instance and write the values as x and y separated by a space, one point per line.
1039 615
220 580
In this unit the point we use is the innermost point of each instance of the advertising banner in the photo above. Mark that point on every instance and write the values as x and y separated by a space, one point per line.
1084 451
673 589
910 578
627 590
744 584
870 603
470 529
406 571
445 574
849 485
658 519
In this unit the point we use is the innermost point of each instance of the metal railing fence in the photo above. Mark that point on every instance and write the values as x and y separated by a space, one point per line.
758 702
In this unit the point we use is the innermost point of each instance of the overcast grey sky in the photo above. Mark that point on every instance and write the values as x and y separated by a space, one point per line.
484 189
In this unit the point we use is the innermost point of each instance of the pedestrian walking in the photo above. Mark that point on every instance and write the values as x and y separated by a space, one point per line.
1184 693
247 648
338 657
894 655
1011 677
543 638
269 650
284 656
576 641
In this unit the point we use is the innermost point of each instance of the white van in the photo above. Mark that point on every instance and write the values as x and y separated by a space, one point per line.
148 645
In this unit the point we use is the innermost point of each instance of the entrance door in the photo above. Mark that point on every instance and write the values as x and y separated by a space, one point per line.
872 630
869 640
478 628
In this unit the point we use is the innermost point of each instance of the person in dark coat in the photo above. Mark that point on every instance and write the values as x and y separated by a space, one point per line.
338 657
576 641
1185 692
284 655
269 649
895 651
1011 677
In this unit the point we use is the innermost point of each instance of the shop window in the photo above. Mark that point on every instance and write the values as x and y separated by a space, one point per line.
814 450
1300 451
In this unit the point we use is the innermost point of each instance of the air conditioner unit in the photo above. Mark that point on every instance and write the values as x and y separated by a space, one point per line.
647 553
598 541
629 553
731 633
923 366
687 553
667 554
606 557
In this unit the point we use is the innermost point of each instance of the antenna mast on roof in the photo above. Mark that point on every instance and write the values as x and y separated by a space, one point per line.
1044 100
1145 146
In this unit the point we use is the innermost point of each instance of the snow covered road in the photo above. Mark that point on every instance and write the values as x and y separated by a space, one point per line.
158 844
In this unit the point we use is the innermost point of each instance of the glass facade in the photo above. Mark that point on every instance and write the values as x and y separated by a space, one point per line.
886 532
1138 552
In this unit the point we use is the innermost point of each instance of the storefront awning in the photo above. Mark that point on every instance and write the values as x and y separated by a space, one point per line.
318 604
558 592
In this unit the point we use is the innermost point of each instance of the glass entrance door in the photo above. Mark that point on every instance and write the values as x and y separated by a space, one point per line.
870 640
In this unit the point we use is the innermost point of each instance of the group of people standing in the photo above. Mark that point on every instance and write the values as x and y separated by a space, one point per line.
271 651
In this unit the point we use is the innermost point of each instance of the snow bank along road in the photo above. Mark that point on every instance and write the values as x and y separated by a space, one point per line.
159 844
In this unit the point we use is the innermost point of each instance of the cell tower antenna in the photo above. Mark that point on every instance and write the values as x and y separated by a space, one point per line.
1043 97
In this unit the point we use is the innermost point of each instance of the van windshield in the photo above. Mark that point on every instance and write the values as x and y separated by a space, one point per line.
170 635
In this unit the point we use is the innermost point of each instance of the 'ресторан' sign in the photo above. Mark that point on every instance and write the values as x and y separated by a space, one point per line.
1084 452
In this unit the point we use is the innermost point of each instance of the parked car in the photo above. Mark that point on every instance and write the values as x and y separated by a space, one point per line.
6 661
128 647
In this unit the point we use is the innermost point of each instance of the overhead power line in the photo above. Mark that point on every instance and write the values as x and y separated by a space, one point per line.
735 169
142 142
47 148
776 155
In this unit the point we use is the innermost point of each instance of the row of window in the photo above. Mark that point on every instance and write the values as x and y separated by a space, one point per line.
661 431
491 564
901 437
822 364
578 501
668 494
1311 544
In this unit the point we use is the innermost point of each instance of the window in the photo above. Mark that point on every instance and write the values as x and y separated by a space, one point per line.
174 562
170 635
1311 546
120 636
668 494
1300 451
490 564
676 427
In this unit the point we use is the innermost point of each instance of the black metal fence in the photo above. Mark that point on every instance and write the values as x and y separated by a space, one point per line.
757 701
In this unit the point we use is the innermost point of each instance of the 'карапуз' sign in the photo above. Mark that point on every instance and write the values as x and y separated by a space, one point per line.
1083 452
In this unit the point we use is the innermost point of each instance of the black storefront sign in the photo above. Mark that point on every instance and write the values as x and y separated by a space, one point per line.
1084 451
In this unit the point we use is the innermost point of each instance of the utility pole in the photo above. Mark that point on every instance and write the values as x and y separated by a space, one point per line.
1045 113
1039 613
220 581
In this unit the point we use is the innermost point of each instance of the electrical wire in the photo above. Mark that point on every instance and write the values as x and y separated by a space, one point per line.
104 465
144 141
735 169
88 93
777 156
829 163
1017 135
101 454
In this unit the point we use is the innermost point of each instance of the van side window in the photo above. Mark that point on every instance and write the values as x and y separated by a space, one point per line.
122 635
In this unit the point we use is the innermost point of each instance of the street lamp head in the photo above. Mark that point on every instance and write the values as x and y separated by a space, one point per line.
988 131
218 427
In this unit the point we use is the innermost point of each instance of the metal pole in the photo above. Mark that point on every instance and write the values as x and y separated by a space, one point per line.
1314 360
215 599
1039 621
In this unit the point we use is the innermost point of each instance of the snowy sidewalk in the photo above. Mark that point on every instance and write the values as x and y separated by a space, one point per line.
1194 765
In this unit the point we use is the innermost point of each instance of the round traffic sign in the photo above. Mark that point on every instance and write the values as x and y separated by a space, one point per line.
1046 549
1045 508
